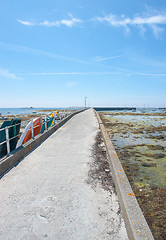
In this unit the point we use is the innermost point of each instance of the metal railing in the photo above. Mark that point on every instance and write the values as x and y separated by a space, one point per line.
60 115
7 137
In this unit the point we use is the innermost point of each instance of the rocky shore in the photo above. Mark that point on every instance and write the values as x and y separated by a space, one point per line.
140 142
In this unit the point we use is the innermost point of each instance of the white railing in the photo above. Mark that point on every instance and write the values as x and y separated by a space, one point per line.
60 115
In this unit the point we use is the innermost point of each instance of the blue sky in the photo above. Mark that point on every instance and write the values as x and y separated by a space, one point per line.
56 53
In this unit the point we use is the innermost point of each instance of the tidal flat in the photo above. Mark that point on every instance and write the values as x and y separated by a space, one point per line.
140 142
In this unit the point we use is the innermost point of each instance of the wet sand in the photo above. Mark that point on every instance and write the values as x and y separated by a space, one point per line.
139 140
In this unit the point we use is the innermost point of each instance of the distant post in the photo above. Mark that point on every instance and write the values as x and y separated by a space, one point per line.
85 101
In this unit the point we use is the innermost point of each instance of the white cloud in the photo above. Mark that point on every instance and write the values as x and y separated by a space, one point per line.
154 64
123 21
5 73
74 73
67 22
27 50
58 73
49 24
153 74
140 21
101 59
123 72
157 30
27 23
70 23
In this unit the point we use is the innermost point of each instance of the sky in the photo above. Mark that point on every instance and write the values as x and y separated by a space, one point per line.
56 53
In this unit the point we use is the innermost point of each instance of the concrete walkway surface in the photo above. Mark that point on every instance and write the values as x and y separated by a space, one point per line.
46 196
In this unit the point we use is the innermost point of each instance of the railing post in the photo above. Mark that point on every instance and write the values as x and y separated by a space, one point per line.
32 128
54 117
7 140
45 122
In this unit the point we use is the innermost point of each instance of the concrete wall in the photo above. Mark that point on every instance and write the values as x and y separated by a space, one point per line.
136 225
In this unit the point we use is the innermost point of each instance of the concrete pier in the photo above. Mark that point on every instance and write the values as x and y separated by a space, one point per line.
115 108
46 196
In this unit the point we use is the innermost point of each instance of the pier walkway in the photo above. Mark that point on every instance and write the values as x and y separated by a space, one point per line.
48 195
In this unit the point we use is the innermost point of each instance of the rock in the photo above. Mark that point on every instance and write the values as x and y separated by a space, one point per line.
149 164
156 147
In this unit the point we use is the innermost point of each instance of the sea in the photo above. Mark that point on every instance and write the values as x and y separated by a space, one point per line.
17 111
